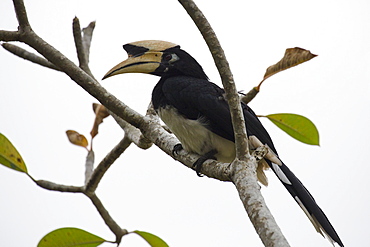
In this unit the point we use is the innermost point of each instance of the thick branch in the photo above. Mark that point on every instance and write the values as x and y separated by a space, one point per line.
254 204
165 141
243 177
151 130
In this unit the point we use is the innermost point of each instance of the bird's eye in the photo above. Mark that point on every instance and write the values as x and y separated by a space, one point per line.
168 57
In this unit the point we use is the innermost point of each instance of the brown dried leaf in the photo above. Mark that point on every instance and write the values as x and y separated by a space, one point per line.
292 57
100 113
76 138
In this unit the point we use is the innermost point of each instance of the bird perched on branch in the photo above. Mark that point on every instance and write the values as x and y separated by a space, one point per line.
196 111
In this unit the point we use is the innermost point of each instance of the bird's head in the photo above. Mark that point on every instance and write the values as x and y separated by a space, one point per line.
159 58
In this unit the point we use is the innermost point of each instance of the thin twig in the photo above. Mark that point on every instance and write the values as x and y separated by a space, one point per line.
78 42
246 98
109 221
21 13
32 57
104 165
89 165
80 47
59 187
9 35
87 38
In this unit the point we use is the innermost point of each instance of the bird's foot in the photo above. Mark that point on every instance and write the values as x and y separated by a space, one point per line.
199 163
177 148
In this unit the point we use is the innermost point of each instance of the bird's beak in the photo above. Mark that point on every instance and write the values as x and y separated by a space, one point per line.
148 62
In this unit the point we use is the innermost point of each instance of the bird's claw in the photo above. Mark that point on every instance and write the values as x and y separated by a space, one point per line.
199 163
176 149
198 166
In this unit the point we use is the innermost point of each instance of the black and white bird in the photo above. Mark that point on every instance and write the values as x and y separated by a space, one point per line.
195 110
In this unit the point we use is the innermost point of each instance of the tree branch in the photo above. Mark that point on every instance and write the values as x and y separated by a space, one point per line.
81 48
151 130
259 214
243 168
89 165
246 98
165 141
20 11
9 35
222 65
132 133
58 187
104 165
89 189
109 221
87 38
22 53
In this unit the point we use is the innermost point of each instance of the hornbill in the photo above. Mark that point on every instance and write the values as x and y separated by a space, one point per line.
197 113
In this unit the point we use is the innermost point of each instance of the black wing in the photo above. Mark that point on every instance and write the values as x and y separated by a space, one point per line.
200 99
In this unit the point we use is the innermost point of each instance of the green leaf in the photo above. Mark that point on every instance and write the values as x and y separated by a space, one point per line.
68 237
9 155
297 126
153 240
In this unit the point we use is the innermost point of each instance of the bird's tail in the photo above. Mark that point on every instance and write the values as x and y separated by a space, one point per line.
306 202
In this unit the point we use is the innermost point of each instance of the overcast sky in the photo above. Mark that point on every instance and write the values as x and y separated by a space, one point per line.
149 191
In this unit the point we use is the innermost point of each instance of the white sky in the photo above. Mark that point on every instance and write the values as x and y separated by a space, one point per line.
149 191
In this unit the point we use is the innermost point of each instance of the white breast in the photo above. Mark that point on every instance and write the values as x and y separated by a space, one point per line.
195 137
